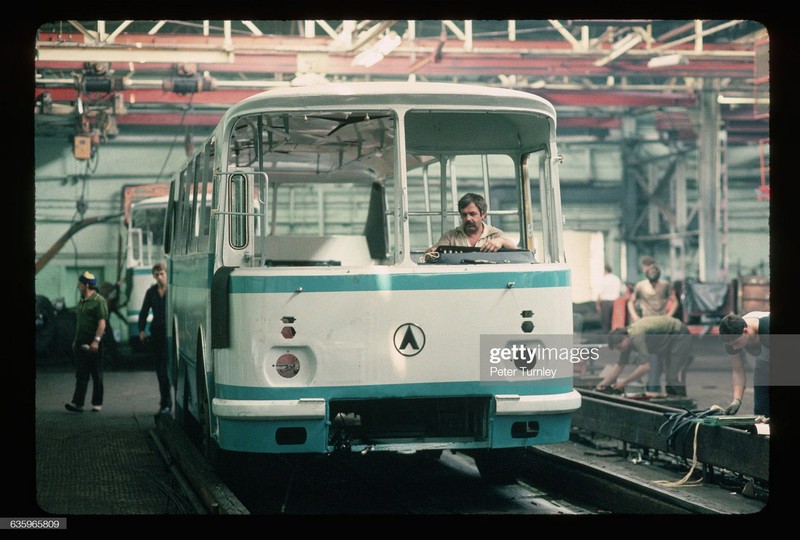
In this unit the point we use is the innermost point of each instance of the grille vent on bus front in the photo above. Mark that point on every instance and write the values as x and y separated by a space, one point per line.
371 421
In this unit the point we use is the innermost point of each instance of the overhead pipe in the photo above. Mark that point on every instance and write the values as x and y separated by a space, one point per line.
53 251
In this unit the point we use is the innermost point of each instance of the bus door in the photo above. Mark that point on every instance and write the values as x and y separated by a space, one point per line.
242 218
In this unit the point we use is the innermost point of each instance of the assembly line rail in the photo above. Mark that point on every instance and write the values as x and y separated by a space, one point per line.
652 425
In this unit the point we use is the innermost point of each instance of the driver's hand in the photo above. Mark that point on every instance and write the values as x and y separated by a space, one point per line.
492 245
432 248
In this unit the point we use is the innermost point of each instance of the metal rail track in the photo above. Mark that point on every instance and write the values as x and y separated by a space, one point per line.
610 491
195 474
551 481
647 425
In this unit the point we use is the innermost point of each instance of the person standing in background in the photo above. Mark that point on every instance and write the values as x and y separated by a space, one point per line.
155 300
90 324
611 288
652 296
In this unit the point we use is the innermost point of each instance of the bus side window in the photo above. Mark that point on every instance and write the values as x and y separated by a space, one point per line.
188 197
180 214
197 182
168 224
205 201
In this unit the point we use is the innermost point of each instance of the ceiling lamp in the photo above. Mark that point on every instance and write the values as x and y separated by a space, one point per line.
667 60
378 51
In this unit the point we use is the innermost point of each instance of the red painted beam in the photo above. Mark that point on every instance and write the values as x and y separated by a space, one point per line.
616 98
279 54
169 119
453 64
227 97
224 98
576 122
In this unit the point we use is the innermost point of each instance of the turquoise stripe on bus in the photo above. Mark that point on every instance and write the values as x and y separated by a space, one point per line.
539 387
398 282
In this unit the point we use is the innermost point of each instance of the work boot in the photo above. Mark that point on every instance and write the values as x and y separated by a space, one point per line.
676 391
73 408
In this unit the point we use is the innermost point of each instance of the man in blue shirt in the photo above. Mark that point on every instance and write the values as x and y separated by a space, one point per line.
155 300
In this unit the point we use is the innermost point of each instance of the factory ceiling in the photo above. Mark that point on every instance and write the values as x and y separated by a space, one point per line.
109 76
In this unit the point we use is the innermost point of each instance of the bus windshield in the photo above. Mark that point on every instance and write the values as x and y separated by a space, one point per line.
335 173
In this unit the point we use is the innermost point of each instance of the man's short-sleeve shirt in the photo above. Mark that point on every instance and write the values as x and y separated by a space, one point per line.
89 313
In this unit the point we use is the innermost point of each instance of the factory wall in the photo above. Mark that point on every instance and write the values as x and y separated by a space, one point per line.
68 190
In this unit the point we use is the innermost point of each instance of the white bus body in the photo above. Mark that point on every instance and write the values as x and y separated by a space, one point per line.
304 316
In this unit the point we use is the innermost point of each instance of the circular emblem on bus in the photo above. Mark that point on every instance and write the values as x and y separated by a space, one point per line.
409 339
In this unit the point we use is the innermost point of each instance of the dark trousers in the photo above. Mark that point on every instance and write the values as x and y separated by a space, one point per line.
675 362
88 365
606 313
761 385
654 375
158 348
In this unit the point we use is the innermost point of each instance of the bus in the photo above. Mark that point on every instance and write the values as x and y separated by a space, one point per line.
143 216
144 213
306 314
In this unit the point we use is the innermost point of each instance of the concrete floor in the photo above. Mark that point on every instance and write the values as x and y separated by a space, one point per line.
106 463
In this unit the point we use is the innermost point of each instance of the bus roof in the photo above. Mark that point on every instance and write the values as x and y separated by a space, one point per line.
378 94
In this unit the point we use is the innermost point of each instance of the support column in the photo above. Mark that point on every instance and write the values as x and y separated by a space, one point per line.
630 198
708 157
678 229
